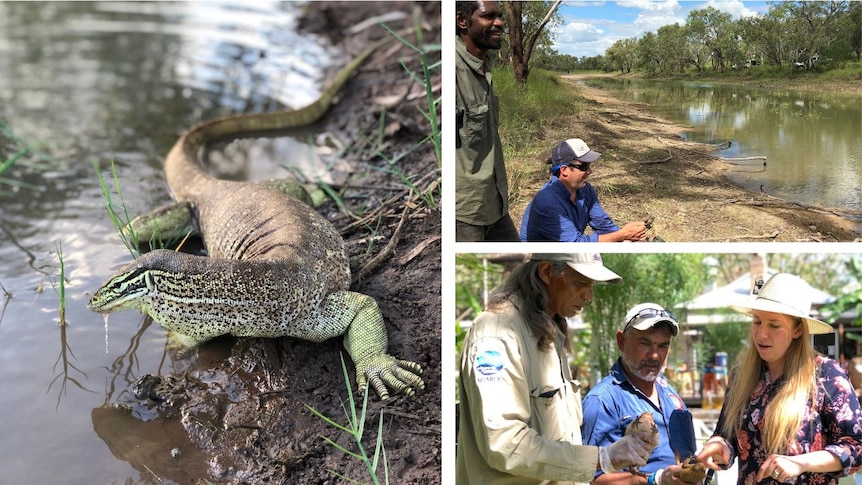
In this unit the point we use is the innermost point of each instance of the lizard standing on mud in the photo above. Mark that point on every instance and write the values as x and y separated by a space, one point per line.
275 267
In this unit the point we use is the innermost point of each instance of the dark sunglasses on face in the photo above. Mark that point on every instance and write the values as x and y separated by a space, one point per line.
583 167
649 313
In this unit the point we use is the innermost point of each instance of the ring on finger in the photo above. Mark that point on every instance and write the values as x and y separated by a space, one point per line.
775 473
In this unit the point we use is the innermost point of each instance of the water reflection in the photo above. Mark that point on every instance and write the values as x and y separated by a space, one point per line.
69 372
811 141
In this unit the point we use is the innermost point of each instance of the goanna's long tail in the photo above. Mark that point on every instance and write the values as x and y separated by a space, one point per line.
184 173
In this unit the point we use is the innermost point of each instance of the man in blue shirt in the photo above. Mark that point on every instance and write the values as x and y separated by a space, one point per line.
636 385
561 210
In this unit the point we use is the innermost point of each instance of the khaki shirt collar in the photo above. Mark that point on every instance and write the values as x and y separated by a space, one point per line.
481 66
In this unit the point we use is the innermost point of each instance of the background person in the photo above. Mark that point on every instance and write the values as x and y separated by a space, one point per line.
481 187
635 385
567 203
790 414
520 415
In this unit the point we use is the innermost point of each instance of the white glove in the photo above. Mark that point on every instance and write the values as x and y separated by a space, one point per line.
628 451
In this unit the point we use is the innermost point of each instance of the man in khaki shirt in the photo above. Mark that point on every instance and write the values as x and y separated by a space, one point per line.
481 188
520 411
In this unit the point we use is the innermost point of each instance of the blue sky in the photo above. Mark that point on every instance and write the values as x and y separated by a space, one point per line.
590 27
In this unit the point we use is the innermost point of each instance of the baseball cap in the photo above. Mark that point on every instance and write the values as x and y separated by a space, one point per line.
587 264
573 149
647 315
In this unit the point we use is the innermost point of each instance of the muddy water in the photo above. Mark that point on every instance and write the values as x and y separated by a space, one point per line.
811 141
84 83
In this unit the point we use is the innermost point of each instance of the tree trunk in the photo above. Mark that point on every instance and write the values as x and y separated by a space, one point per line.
520 49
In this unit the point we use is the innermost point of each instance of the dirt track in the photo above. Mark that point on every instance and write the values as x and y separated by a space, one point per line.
688 195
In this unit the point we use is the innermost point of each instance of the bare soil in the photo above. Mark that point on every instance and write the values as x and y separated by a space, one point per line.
244 402
648 171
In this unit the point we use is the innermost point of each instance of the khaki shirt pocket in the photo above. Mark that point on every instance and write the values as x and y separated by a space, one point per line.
548 408
475 138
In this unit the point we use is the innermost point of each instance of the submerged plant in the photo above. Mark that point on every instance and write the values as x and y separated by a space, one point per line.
24 154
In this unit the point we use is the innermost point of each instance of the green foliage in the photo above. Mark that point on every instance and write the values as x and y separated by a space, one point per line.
355 428
852 299
425 79
117 212
666 279
728 337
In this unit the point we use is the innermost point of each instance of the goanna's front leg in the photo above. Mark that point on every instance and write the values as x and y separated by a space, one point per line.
165 225
365 340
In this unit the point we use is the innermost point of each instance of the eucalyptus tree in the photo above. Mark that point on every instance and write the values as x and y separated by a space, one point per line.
712 29
673 46
526 22
623 54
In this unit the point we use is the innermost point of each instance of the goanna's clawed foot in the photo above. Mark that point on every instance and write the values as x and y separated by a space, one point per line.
383 370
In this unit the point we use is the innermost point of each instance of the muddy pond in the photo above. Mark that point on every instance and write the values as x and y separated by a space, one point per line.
83 85
810 140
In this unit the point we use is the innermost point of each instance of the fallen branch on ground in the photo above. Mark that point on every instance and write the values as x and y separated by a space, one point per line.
646 162
720 146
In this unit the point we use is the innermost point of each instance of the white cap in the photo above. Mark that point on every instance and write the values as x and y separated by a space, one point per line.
587 264
647 315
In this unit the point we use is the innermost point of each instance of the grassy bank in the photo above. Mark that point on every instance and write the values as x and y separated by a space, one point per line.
532 121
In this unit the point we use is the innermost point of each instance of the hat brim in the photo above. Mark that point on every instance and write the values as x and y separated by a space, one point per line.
596 272
589 157
815 326
652 322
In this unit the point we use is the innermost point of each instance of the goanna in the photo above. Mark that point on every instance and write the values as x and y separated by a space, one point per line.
275 267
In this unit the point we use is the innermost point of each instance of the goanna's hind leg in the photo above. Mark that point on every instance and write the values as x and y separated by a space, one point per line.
293 188
365 340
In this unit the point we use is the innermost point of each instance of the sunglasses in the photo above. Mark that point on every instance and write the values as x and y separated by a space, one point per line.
583 167
647 313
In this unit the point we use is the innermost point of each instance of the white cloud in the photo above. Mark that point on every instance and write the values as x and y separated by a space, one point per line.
733 7
651 6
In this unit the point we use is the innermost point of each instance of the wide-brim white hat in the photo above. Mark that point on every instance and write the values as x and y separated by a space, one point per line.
789 295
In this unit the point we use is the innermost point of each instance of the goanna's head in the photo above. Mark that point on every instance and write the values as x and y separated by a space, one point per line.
129 286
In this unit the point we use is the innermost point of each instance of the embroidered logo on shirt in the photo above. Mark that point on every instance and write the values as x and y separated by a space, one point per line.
489 362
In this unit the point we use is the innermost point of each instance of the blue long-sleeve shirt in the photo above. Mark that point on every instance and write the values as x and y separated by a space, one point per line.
552 216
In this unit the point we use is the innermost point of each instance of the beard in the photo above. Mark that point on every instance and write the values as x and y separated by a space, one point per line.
633 368
484 41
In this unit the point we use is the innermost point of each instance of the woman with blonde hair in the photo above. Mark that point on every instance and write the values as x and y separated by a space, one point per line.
790 414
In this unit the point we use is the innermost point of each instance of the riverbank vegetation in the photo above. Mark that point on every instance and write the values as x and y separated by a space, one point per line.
791 39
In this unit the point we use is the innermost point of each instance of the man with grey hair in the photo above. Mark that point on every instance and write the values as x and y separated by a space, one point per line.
634 386
520 411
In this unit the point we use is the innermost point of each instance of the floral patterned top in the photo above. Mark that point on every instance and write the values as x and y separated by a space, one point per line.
833 423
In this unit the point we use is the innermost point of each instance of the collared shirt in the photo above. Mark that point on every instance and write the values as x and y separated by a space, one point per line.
833 423
520 409
615 402
552 216
481 188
